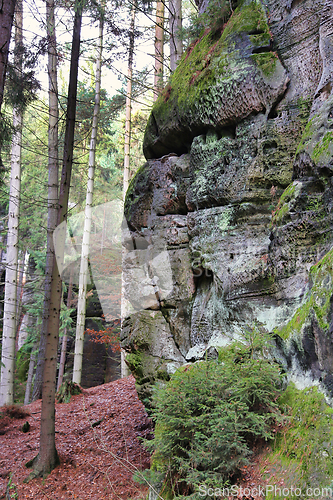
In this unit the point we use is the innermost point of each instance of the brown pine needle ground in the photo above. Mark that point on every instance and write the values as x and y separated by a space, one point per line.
97 438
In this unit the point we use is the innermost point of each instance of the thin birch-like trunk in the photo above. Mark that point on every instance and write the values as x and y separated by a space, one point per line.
9 317
175 26
65 336
81 305
52 203
159 48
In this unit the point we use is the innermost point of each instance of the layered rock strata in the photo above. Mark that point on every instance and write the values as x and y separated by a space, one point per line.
237 194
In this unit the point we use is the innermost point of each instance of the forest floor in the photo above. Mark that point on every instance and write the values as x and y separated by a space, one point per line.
98 441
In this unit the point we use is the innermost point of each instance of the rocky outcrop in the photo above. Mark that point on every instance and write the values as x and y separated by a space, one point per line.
237 192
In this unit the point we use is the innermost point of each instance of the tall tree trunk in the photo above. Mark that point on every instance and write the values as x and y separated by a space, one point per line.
81 305
159 48
175 26
48 458
9 317
52 203
65 336
7 9
127 146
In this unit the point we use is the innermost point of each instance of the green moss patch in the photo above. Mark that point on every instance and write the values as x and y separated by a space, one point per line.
261 39
210 71
250 18
317 139
266 62
317 302
208 59
302 454
323 147
283 206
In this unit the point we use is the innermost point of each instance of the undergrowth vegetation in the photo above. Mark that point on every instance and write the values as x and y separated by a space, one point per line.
305 447
209 416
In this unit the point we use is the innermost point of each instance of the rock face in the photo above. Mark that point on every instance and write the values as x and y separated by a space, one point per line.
238 190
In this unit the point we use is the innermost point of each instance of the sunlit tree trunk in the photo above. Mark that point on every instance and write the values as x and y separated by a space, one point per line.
127 146
159 48
175 26
52 204
83 278
10 306
47 458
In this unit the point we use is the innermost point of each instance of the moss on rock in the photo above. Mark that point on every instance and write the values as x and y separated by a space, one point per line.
304 447
285 203
317 302
218 81
324 147
266 61
248 17
317 138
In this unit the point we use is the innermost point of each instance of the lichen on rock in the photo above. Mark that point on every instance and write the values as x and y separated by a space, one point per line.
238 191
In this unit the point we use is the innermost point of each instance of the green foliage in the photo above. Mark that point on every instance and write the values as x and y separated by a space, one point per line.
210 414
316 303
109 108
6 130
324 146
22 365
66 391
33 204
11 491
21 84
216 14
305 447
109 161
266 62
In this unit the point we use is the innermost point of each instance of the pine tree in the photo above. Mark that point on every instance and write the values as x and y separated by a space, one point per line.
7 10
159 48
52 188
47 458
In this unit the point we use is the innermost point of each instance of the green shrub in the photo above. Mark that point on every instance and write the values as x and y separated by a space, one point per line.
66 391
212 412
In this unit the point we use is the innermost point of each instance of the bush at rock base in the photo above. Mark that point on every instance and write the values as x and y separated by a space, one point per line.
209 416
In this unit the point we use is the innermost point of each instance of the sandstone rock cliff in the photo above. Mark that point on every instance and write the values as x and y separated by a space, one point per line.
238 190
